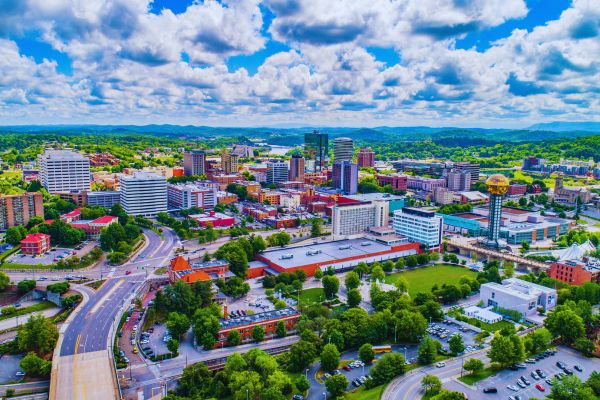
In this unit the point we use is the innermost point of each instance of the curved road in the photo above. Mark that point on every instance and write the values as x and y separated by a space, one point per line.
408 386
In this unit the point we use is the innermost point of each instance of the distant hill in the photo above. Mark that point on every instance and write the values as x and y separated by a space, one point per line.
567 126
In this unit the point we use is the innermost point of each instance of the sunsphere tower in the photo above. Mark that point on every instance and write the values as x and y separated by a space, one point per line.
497 186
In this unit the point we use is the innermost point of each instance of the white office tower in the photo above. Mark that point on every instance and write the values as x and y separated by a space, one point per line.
143 193
64 171
354 219
277 171
419 226
343 149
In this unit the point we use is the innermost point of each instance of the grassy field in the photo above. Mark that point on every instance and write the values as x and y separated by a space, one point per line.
496 326
44 305
313 295
471 379
366 394
422 279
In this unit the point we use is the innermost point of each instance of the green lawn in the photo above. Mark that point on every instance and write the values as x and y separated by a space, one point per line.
366 394
496 326
422 279
313 295
44 305
485 373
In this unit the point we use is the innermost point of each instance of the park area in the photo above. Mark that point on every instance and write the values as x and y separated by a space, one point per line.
423 279
311 296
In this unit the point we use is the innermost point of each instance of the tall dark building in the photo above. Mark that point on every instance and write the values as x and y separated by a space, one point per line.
193 162
315 148
345 176
296 168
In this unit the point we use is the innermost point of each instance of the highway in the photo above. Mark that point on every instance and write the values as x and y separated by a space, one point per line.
83 349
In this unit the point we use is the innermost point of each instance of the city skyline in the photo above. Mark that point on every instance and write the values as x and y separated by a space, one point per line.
469 63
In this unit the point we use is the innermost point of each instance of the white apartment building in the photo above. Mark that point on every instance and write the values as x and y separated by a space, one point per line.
143 194
183 196
64 171
105 199
518 295
356 218
419 226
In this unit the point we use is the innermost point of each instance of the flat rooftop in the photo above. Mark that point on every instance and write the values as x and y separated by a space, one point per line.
467 216
375 197
256 318
328 252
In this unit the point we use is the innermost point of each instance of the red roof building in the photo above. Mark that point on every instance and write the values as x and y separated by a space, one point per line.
180 269
93 228
576 272
215 219
69 217
35 244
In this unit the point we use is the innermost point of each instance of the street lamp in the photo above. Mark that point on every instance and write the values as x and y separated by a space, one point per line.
306 373
395 326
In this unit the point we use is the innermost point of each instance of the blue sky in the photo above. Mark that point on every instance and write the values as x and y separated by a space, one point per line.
273 62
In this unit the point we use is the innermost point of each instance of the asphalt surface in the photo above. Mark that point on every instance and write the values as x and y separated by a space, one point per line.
89 330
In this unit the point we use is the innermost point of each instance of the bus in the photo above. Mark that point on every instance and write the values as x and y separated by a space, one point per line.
382 349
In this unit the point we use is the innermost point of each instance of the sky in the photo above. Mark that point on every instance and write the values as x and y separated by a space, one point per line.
476 63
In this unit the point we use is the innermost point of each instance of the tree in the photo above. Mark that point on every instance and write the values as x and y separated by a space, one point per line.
318 274
431 384
537 341
506 350
302 384
258 333
206 326
571 388
366 353
236 256
177 324
316 227
35 366
331 285
195 382
245 384
456 344
280 329
411 261
15 234
336 385
400 264
118 211
38 334
388 266
431 309
111 236
387 368
302 354
594 382
473 365
402 285
330 358
4 281
377 274
234 338
566 324
173 346
427 351
410 325
352 280
585 346
448 395
258 244
354 298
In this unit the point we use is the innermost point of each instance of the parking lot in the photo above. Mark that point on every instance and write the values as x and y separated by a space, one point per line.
443 330
50 257
548 366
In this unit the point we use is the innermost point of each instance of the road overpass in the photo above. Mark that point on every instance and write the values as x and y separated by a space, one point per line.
83 366
466 247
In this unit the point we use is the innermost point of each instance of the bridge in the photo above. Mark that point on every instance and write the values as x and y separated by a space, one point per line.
520 262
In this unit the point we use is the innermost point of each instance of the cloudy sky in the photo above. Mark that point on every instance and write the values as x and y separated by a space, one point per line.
303 62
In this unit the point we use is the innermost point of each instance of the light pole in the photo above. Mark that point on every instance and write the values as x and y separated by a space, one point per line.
306 373
247 394
395 326
324 395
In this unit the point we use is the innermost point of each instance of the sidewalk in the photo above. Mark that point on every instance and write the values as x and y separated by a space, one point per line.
11 323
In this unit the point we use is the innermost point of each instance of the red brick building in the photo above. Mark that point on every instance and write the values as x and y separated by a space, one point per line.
35 243
215 219
268 320
517 189
365 157
181 269
398 182
575 272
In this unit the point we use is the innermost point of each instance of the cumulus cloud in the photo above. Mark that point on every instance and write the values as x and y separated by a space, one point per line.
130 64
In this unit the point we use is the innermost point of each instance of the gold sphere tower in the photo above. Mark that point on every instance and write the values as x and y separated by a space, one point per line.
497 186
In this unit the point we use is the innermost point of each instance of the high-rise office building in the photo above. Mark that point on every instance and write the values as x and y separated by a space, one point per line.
419 226
315 149
229 162
296 168
18 209
472 168
277 171
64 171
193 162
345 176
184 196
144 193
343 149
365 157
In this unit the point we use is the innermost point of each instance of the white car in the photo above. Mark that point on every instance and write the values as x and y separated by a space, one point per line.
20 373
513 388
441 364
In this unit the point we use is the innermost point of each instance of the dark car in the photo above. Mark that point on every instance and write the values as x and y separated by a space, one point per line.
540 373
568 371
578 368
560 365
490 390
298 397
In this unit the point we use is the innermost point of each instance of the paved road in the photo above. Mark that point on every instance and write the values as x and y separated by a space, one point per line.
83 350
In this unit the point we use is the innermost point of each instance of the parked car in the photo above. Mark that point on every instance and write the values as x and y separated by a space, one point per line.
540 373
578 368
521 384
20 373
127 272
540 387
513 388
490 390
441 364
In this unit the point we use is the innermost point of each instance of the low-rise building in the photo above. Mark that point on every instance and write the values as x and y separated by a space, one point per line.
396 181
105 199
214 219
517 189
226 197
92 228
576 272
268 320
184 196
181 269
35 244
483 314
518 295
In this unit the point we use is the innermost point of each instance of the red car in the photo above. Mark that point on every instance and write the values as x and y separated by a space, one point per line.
540 387
127 272
347 368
